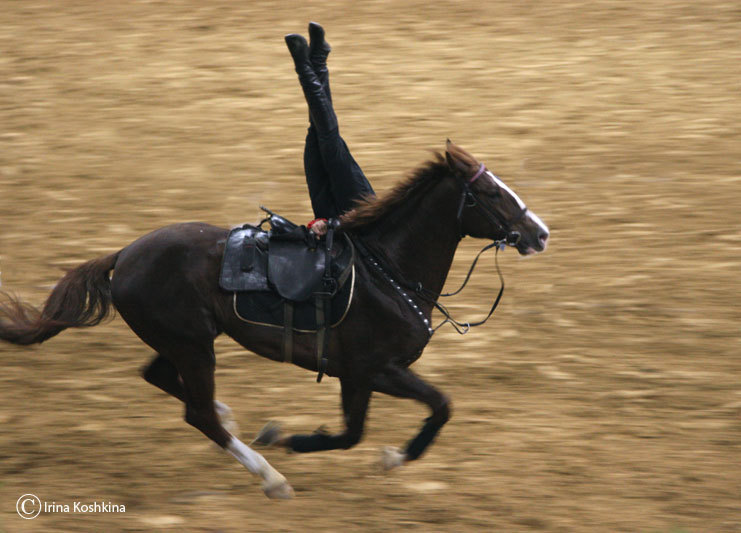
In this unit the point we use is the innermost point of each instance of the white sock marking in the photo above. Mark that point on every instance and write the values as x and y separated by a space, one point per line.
254 462
226 417
222 409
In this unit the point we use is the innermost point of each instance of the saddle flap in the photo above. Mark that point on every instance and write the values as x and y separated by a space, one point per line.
295 270
244 266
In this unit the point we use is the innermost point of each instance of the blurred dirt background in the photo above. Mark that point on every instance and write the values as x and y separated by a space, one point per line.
603 396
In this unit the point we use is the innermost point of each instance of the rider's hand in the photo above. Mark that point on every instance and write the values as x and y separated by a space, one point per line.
319 227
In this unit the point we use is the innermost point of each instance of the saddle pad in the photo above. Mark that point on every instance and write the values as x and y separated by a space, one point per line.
234 277
266 308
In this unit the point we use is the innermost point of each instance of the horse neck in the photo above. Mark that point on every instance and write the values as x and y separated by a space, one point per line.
421 241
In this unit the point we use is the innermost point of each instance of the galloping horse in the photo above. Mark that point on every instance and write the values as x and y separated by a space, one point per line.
165 286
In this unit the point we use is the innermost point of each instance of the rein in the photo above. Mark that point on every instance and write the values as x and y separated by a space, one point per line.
511 238
430 296
464 327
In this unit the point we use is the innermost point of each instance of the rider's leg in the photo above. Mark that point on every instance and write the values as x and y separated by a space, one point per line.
323 202
348 180
347 183
317 178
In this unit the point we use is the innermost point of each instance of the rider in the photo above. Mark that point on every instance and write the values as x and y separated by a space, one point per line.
334 178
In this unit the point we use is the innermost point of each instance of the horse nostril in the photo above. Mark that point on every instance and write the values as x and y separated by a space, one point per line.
543 238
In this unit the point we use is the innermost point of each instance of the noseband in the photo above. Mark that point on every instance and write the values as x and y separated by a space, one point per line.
470 199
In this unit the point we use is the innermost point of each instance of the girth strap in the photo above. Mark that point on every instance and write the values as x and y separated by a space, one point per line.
322 339
287 331
324 303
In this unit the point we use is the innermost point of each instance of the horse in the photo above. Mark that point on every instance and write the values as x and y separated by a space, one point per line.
165 287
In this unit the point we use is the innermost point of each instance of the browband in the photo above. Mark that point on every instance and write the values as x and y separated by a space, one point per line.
478 173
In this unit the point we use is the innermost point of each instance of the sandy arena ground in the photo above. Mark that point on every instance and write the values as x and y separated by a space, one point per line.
603 396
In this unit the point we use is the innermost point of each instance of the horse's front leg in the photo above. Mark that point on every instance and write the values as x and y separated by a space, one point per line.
354 406
403 383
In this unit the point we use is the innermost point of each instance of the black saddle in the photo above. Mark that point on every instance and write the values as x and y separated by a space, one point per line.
291 262
288 267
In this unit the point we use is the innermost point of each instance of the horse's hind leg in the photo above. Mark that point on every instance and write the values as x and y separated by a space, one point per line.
191 379
354 406
403 383
197 372
161 373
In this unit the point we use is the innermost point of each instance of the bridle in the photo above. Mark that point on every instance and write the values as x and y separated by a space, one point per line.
510 238
469 199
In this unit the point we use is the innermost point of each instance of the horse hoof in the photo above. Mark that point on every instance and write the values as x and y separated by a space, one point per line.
392 457
280 491
268 435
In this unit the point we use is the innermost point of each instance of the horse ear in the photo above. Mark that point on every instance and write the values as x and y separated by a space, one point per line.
459 160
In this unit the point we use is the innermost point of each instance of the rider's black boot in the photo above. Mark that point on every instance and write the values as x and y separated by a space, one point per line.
320 106
318 51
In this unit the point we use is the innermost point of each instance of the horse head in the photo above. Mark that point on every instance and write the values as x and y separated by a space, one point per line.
489 209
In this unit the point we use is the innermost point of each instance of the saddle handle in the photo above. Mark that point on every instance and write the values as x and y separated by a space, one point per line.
278 224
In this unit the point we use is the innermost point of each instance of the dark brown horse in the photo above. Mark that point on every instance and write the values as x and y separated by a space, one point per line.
165 286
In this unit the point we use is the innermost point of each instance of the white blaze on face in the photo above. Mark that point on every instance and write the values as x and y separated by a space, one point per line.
536 219
532 216
499 183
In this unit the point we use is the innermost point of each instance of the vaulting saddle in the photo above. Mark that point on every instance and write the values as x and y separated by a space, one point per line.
287 277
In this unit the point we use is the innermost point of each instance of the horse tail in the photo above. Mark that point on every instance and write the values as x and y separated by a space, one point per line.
82 298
